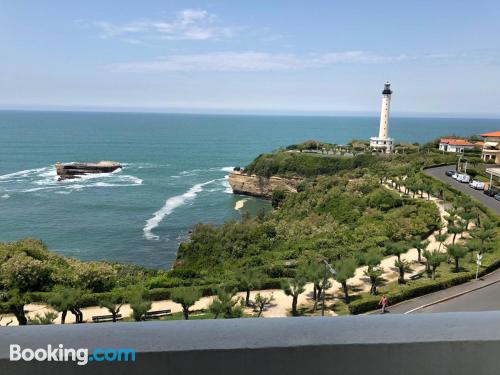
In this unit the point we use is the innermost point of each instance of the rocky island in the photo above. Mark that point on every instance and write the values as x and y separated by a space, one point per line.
75 170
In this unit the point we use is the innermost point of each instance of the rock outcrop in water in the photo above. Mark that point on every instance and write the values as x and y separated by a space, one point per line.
259 186
75 170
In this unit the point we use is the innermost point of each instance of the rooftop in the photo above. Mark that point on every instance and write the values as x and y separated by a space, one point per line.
456 142
491 134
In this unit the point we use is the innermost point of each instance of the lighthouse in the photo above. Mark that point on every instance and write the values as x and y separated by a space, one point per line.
383 143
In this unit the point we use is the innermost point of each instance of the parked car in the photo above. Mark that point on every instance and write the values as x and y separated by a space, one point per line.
450 173
497 197
478 185
455 175
492 191
463 178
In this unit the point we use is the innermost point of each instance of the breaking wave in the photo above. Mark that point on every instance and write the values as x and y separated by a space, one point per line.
43 179
170 205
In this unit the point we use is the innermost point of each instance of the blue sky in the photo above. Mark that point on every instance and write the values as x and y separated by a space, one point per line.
251 56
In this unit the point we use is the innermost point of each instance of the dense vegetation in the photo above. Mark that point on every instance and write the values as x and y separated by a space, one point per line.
332 218
341 213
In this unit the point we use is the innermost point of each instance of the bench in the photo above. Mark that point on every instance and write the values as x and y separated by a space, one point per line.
157 314
106 318
416 276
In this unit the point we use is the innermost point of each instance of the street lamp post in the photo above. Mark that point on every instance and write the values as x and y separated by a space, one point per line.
478 263
328 267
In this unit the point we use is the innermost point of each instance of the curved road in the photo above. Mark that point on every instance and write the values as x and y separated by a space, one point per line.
439 173
480 295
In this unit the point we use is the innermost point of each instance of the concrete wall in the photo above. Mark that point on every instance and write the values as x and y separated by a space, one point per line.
453 343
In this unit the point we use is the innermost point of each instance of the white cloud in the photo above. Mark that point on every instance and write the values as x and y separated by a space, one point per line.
189 24
260 61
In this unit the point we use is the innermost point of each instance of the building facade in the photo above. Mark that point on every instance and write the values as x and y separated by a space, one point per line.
455 145
491 148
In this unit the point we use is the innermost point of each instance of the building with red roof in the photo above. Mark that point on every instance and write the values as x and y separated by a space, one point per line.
455 145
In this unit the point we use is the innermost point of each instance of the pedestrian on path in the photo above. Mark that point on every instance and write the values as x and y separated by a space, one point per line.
384 302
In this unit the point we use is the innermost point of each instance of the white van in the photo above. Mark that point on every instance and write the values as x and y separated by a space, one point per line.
478 185
463 178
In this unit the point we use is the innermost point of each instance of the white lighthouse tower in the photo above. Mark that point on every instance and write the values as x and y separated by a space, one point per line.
383 143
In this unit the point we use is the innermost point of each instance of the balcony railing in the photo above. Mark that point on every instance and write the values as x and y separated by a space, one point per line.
454 343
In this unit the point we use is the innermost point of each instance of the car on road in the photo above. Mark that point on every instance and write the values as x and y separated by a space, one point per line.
497 197
492 191
463 178
478 185
450 173
455 175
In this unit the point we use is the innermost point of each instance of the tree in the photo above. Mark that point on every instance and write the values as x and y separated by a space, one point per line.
95 276
294 288
455 229
139 303
420 245
483 235
249 280
278 198
21 274
113 302
434 259
473 246
14 301
468 216
261 302
397 248
372 260
316 275
226 305
64 299
441 238
457 252
345 270
402 266
47 318
428 188
186 297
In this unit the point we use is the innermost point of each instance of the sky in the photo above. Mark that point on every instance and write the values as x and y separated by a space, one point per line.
281 56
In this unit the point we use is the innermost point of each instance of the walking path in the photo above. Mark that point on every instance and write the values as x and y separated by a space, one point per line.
281 305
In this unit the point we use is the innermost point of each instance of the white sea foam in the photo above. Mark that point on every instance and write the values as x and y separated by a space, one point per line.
227 187
40 179
170 205
24 173
6 196
227 169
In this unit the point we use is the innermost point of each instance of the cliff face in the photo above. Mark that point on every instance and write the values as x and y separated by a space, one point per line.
258 186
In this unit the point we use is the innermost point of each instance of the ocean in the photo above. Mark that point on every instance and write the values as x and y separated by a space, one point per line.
174 174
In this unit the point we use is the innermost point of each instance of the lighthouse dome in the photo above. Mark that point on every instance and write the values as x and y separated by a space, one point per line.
387 89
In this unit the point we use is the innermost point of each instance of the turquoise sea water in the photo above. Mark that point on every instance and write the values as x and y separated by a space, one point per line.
173 176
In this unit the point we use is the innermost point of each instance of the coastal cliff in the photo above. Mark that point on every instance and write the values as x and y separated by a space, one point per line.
259 186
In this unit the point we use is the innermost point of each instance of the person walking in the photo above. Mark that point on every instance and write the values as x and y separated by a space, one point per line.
384 302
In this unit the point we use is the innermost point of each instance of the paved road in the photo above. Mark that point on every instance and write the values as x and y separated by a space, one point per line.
439 173
485 299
